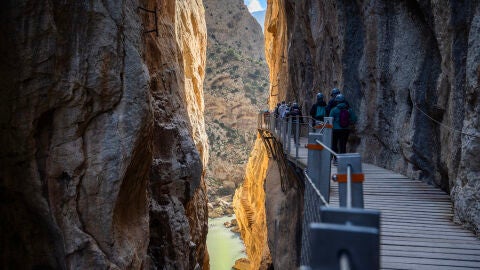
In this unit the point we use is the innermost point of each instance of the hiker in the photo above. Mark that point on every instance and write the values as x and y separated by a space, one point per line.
294 111
343 118
276 110
282 109
318 110
332 103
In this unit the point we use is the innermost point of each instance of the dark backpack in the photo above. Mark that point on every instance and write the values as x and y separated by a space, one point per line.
344 118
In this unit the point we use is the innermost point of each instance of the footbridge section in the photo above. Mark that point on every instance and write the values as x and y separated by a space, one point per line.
360 216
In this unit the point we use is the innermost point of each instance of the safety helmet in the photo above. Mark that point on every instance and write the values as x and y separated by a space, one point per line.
335 91
319 96
340 98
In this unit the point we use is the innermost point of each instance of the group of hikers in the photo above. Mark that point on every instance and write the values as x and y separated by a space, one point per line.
337 107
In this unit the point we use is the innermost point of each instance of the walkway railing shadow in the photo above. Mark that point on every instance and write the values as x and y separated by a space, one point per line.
332 238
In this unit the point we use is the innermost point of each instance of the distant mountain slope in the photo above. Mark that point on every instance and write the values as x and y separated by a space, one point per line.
230 24
235 89
260 17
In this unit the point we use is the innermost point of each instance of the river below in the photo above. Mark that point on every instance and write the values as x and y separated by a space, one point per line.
224 246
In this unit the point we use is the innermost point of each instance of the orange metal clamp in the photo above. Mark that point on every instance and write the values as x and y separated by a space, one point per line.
314 146
356 178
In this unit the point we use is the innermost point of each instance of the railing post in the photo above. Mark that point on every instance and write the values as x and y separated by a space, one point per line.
284 134
327 131
357 177
297 137
272 122
289 134
318 166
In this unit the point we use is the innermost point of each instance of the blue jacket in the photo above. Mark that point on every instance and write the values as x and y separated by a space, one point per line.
335 113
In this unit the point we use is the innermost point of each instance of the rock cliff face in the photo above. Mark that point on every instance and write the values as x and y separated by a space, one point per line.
176 64
249 205
411 69
236 86
94 114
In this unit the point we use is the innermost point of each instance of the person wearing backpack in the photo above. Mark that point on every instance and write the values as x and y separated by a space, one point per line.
318 110
332 103
343 119
294 112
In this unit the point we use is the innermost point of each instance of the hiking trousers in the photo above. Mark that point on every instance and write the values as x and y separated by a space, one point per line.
339 140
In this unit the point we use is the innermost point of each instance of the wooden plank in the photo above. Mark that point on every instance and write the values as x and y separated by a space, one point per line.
425 225
408 243
429 261
422 250
418 230
439 235
409 266
431 255
425 210
420 238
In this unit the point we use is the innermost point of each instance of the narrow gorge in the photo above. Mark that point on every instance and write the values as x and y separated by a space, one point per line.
125 125
411 71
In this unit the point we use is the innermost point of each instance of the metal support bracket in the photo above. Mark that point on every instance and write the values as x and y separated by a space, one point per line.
154 12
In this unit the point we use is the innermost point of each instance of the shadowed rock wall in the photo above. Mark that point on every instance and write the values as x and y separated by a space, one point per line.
93 113
409 68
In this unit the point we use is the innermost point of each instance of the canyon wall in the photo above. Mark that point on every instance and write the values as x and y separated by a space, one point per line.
176 64
102 135
252 206
411 71
249 205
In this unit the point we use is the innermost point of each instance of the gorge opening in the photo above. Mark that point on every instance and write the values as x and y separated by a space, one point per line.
235 89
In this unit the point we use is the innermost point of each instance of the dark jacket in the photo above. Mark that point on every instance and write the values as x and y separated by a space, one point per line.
335 113
313 110
293 113
332 104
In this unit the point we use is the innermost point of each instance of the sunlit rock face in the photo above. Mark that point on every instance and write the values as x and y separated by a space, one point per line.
253 203
409 68
94 113
176 63
249 205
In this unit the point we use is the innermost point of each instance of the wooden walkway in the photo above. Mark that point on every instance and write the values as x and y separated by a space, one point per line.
417 231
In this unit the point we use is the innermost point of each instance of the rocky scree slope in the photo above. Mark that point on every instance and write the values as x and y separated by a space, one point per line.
235 87
102 135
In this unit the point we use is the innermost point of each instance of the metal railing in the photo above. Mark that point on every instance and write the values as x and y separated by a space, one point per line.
328 231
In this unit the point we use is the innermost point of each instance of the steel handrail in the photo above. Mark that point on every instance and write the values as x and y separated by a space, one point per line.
327 148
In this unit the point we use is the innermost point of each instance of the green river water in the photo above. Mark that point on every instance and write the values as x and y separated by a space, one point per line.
224 246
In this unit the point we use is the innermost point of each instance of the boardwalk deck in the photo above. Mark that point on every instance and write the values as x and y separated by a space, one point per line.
417 231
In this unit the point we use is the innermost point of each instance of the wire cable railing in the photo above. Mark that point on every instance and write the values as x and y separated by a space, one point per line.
320 219
319 194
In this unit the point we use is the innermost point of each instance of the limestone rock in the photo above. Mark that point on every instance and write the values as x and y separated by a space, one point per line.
176 64
94 114
242 264
249 206
408 68
75 133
